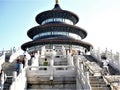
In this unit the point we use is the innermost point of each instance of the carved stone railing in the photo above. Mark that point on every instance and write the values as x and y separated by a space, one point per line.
2 59
48 73
15 55
56 70
20 81
113 81
82 77
114 58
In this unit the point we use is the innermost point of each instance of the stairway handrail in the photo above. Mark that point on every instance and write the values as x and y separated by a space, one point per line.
81 76
114 58
2 59
19 80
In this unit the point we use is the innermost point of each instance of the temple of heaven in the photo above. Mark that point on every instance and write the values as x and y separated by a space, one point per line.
57 27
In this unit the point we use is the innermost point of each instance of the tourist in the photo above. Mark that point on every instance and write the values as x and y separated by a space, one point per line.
23 61
105 63
79 52
32 55
45 63
27 54
3 78
18 66
26 60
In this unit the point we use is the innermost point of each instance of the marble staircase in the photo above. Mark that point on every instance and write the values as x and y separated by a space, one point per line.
112 70
58 83
97 83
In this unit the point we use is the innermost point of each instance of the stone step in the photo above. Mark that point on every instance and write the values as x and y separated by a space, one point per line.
97 81
98 85
50 89
46 80
54 82
59 83
7 83
101 88
53 87
9 80
95 78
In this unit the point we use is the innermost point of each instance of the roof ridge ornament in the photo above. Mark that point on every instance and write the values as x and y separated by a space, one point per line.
56 1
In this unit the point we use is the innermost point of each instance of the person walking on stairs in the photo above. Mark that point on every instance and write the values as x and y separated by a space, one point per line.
105 63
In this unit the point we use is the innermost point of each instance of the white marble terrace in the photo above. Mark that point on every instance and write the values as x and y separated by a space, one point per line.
73 66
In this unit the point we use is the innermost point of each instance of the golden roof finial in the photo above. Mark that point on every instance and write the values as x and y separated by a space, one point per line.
56 1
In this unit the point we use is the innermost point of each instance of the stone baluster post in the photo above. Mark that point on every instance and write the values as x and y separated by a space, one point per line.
116 60
51 62
77 62
21 67
67 57
106 52
14 76
87 82
32 61
52 59
81 66
14 80
91 50
43 51
67 52
87 75
26 62
51 65
98 55
36 62
119 62
71 61
111 57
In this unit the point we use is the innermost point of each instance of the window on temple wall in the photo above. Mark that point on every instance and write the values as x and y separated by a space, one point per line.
42 34
57 20
59 33
74 36
68 21
36 36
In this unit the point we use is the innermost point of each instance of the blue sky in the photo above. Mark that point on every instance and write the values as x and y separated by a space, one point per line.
100 18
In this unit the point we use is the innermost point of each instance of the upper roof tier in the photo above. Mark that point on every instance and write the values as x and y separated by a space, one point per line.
57 12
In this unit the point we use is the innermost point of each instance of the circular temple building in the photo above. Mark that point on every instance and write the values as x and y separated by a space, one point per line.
57 28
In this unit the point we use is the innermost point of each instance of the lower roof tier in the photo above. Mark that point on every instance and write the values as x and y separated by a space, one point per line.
57 27
58 41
